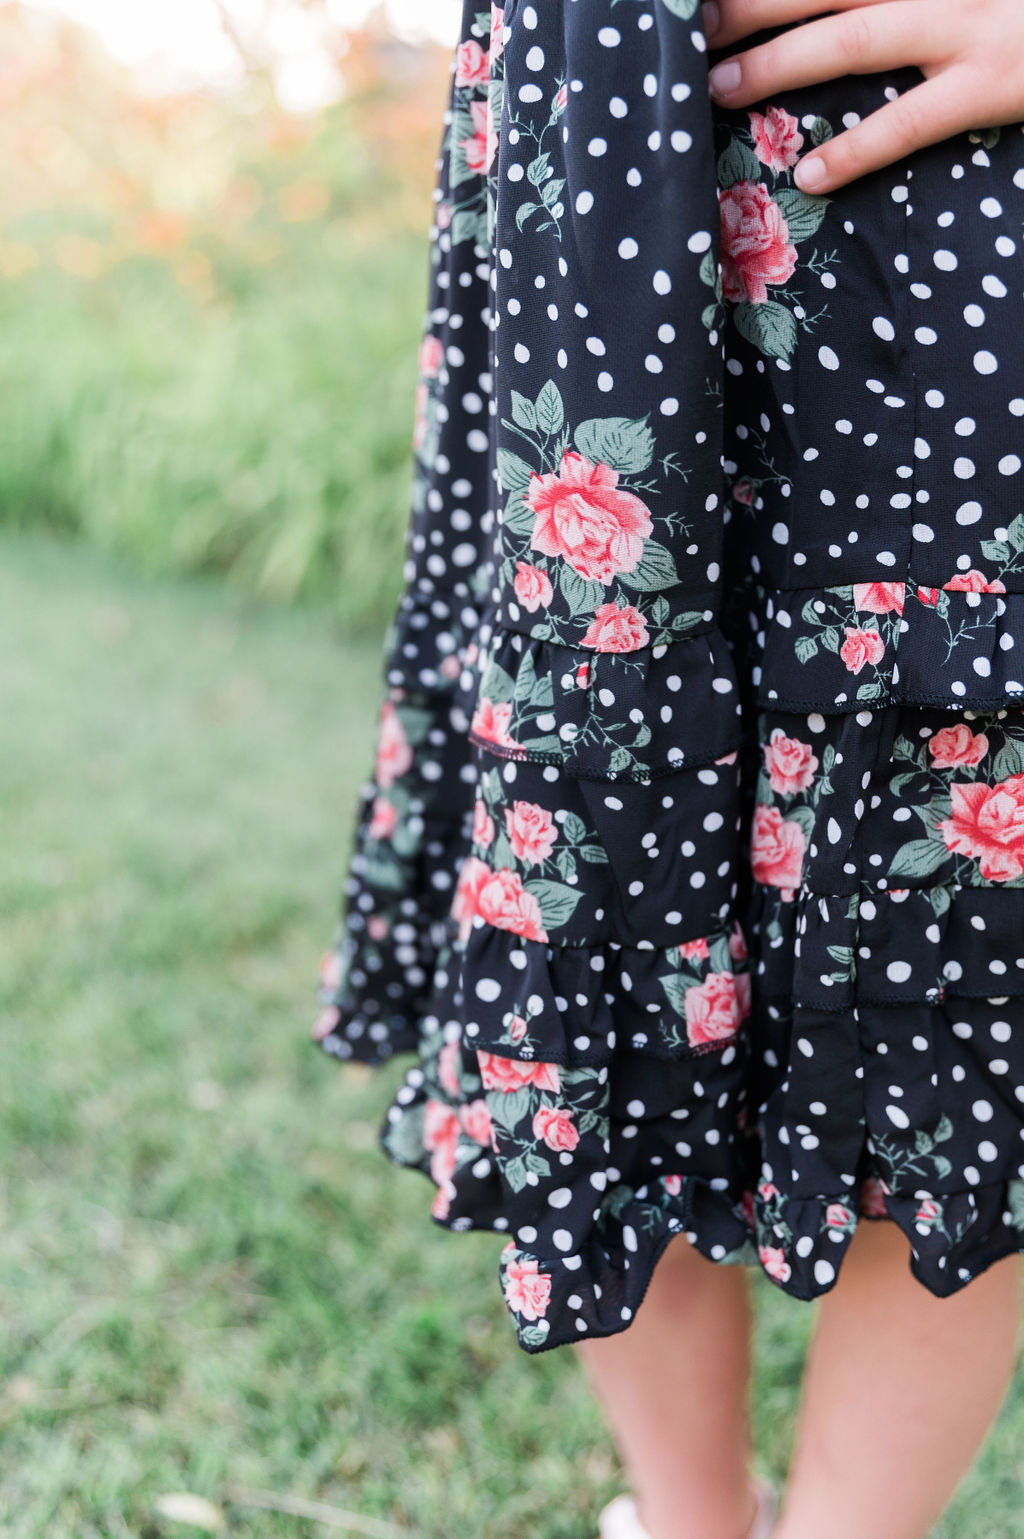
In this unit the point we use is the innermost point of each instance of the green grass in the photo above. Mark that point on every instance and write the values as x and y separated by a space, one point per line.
264 435
209 1275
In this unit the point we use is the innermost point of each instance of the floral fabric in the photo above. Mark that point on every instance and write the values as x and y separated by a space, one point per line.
689 873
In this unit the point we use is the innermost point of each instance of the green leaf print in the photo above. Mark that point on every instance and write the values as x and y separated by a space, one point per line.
523 411
514 1172
685 9
821 129
467 225
515 473
500 853
1015 533
806 648
624 443
1009 761
1015 1200
802 213
496 684
537 170
524 211
768 326
574 828
676 986
557 901
656 570
919 858
517 516
738 163
580 593
596 854
944 1130
533 1335
550 411
996 550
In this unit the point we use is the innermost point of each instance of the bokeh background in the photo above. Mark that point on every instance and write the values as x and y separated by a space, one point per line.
223 1310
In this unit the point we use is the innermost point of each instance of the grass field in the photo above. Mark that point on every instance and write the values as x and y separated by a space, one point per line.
209 1277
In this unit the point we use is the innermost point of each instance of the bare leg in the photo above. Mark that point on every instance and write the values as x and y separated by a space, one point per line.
899 1392
674 1390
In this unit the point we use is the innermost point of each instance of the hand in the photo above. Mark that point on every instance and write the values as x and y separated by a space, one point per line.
970 51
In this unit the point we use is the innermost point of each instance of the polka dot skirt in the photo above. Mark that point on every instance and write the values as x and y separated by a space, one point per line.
690 873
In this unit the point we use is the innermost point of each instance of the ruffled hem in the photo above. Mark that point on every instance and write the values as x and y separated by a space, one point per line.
838 953
607 715
864 646
576 1005
557 1296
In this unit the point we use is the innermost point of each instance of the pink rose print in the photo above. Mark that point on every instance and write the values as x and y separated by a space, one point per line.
517 1028
504 903
929 597
837 1216
377 927
394 755
527 1290
448 1068
330 970
861 647
738 943
790 763
431 356
441 1137
767 1190
555 1127
673 1185
777 849
500 1073
478 147
420 421
728 758
583 676
483 826
973 582
533 587
694 951
491 721
584 517
471 68
988 824
444 214
473 877
384 819
880 598
774 1262
497 26
777 138
712 1009
743 491
756 249
326 1022
475 1121
744 994
952 747
562 96
872 1198
616 630
532 832
927 1213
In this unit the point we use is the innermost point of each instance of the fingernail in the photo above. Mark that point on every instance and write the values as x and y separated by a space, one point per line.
808 173
711 17
725 78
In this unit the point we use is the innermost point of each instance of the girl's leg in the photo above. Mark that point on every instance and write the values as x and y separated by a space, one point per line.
899 1392
674 1389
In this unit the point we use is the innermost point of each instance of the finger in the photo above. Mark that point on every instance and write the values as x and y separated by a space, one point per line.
859 41
727 21
928 113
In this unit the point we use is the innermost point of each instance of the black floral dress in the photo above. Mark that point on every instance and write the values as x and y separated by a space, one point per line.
691 870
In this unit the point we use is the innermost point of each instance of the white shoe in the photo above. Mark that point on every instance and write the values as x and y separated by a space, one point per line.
619 1520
